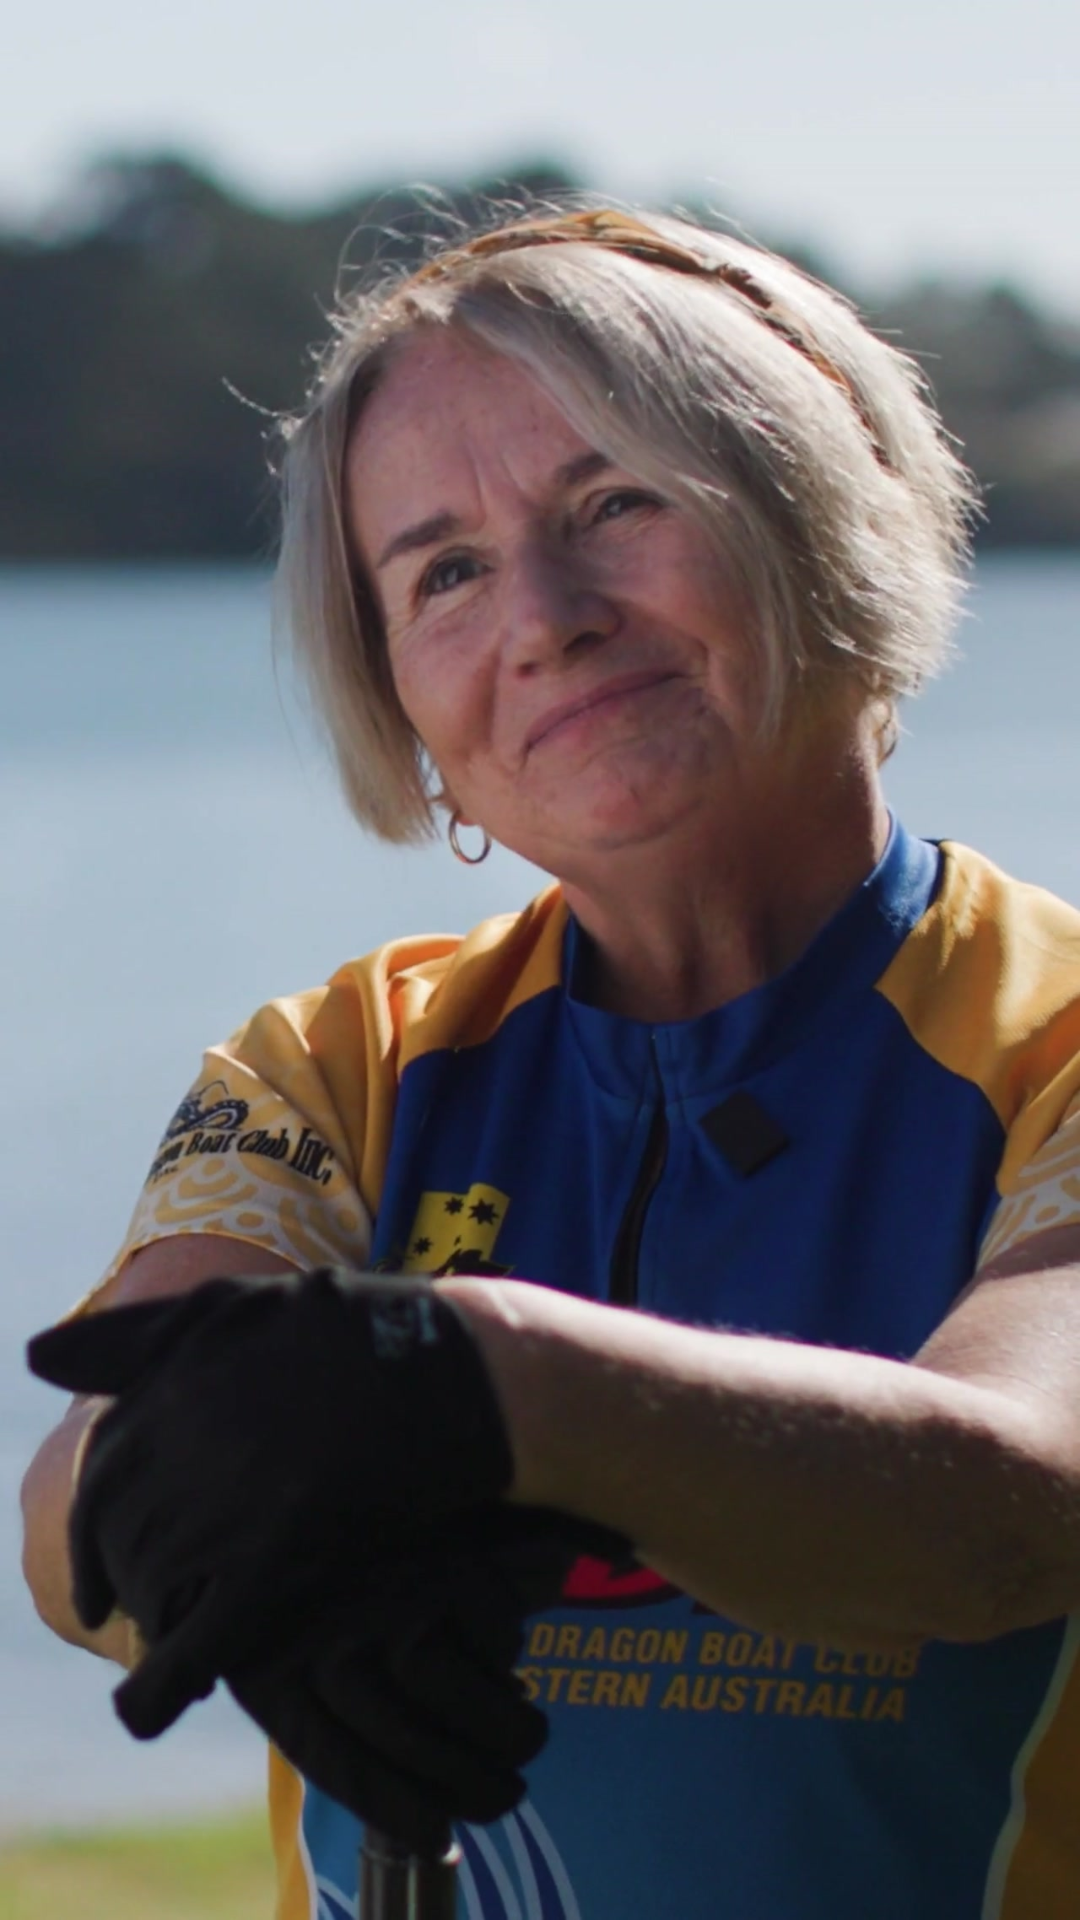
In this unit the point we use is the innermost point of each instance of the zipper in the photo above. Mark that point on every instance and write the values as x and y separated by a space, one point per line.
623 1276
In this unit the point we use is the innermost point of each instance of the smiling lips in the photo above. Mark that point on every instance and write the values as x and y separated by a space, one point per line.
601 696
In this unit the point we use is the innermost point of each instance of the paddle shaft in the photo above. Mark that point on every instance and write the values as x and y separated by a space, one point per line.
398 1885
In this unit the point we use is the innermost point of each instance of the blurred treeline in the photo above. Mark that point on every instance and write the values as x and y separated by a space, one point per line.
136 323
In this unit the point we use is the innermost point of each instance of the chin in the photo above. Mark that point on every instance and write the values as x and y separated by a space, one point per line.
619 829
659 790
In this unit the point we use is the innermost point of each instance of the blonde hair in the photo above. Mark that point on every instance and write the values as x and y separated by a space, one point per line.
718 373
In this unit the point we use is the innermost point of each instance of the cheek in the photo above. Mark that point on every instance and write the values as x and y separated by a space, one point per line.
733 655
681 583
733 671
422 712
442 701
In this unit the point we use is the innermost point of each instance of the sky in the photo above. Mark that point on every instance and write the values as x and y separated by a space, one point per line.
941 136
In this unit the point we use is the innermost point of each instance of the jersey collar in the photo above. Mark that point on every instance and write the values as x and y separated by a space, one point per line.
742 1038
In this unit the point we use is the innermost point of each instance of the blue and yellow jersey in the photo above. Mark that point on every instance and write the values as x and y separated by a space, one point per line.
828 1158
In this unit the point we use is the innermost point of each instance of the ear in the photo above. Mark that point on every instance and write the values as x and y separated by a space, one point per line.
109 1352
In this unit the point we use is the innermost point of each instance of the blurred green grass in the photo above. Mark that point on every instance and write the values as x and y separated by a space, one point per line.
198 1871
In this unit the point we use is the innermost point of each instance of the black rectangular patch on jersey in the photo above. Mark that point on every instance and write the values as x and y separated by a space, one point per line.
746 1135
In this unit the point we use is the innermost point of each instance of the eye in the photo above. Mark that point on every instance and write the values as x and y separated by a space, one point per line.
624 500
449 571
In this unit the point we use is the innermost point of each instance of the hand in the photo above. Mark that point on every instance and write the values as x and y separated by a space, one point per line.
399 1700
270 1437
483 1574
427 1727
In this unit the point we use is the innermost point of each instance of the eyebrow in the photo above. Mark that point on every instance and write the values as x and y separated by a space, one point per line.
426 533
440 526
585 466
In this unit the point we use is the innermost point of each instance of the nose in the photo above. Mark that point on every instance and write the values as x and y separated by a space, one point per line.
553 612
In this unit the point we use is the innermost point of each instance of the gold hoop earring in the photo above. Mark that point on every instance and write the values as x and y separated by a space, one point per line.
456 848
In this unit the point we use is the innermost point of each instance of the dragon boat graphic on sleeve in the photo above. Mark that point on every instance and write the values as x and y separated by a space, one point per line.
239 1160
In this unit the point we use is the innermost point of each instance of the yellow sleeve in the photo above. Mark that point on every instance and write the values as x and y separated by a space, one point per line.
1044 1194
989 985
269 1144
283 1139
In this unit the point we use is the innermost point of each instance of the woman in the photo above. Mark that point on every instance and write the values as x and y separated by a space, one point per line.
618 542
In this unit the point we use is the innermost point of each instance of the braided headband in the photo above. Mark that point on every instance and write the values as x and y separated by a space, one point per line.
622 233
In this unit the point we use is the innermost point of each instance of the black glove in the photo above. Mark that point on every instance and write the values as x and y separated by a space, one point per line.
426 1723
272 1441
513 1560
399 1700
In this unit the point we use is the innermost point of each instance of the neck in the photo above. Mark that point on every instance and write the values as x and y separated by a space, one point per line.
701 916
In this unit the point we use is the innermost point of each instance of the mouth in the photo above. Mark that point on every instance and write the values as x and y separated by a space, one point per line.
610 693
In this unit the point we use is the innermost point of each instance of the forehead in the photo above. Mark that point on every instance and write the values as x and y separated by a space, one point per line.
448 415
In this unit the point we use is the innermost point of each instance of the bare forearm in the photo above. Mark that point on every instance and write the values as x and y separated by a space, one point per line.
46 1501
796 1488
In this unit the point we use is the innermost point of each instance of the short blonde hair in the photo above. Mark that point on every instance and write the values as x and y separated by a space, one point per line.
719 374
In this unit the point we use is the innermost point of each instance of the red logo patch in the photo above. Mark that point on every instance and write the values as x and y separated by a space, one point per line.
594 1583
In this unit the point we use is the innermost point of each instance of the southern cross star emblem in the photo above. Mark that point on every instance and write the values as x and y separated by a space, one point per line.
444 1220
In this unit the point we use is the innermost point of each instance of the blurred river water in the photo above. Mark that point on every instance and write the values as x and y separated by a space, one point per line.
174 852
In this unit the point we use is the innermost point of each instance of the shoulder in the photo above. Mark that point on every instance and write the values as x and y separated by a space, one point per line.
988 982
977 902
417 993
282 1141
